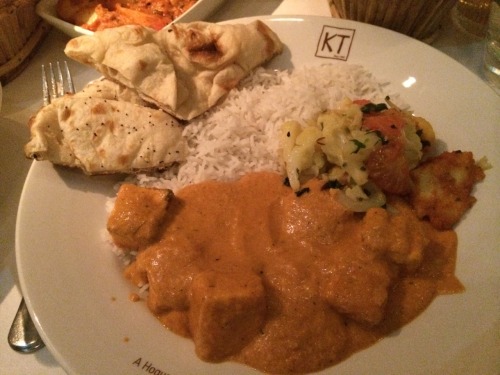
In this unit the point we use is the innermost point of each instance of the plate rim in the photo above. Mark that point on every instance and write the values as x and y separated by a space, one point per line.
287 18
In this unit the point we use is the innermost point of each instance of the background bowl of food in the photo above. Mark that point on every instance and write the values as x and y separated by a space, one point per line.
83 18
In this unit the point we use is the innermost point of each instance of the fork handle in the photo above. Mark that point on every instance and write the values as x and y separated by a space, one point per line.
23 336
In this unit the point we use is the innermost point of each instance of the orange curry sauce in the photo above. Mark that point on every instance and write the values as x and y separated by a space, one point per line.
286 284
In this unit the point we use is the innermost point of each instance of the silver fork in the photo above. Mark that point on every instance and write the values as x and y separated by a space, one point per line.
23 336
59 84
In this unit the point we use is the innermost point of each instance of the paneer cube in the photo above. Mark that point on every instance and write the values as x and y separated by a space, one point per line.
227 310
357 289
397 234
137 215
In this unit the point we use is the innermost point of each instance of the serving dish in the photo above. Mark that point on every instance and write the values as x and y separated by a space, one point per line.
78 298
47 10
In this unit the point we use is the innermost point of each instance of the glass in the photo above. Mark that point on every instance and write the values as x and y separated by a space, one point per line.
492 46
472 16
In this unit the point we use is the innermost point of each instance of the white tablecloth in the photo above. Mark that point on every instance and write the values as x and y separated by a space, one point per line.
13 167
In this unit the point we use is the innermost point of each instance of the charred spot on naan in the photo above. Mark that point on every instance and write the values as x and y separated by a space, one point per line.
65 114
207 51
143 65
99 108
199 46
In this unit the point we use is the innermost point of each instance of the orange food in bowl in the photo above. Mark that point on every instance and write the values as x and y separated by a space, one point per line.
97 15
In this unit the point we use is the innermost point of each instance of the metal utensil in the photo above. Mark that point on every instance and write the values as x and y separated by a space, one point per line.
23 336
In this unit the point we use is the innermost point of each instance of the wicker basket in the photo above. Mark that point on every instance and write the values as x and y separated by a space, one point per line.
420 19
21 31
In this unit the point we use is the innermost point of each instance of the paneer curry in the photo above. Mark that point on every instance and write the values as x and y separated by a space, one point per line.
254 273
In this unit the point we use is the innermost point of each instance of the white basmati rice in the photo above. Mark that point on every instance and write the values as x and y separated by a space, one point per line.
241 134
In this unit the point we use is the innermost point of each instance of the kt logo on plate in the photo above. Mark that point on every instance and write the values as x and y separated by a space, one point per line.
335 43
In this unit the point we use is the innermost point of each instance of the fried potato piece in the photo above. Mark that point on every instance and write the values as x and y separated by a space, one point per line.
442 188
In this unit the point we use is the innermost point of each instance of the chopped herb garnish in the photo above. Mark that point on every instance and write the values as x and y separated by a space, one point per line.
425 143
359 145
302 191
383 139
373 108
332 184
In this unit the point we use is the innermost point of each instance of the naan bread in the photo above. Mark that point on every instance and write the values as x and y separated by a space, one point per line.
105 89
184 69
103 136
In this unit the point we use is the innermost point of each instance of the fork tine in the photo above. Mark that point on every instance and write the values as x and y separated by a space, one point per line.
52 78
59 81
69 79
45 87
59 84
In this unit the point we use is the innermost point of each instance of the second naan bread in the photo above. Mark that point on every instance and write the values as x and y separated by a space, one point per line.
184 69
104 88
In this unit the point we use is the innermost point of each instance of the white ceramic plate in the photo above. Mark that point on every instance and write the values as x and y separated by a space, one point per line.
47 10
78 297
